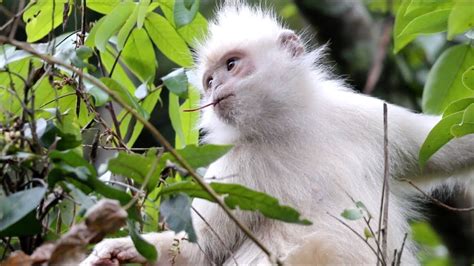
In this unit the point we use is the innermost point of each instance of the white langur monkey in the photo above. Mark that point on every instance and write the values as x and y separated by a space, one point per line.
301 136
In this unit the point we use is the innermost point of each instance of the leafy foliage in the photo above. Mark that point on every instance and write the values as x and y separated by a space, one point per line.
448 87
55 122
239 196
432 251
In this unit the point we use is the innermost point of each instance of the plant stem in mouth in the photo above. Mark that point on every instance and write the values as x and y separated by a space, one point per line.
200 108
207 105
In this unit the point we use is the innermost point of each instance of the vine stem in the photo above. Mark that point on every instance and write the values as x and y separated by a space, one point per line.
156 134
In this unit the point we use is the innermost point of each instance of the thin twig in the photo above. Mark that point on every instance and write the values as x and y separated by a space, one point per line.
16 19
434 200
55 99
216 234
394 256
110 107
119 148
113 182
377 243
399 255
367 222
385 183
201 249
156 134
381 52
83 22
357 234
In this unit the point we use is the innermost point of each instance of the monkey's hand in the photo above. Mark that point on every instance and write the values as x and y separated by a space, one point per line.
114 252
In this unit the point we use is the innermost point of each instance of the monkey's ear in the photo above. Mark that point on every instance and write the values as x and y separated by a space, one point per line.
291 42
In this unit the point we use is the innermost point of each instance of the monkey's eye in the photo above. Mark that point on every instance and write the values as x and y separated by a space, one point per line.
209 82
231 62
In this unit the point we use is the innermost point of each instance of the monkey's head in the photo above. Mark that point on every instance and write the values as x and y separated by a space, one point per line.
254 71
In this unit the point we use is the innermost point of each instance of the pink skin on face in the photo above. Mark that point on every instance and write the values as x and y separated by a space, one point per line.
220 79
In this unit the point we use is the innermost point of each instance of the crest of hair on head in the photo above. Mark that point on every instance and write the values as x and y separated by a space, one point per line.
238 25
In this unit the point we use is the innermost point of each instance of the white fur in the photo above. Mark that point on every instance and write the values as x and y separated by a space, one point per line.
309 141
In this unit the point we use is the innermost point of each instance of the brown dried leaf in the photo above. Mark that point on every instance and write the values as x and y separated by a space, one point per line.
106 216
18 258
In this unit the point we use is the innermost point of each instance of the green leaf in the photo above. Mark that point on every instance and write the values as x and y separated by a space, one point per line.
176 212
467 124
90 38
125 96
236 195
67 211
119 74
69 133
137 167
145 249
431 22
200 156
18 205
438 137
84 201
126 29
192 32
175 118
462 129
26 226
367 233
139 55
70 164
190 188
461 18
112 23
177 82
444 83
84 52
129 124
361 205
142 12
189 120
185 12
38 18
101 6
424 234
165 37
458 106
352 214
151 209
414 18
100 97
8 101
468 78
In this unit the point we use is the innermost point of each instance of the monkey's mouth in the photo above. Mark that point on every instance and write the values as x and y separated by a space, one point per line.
213 103
222 98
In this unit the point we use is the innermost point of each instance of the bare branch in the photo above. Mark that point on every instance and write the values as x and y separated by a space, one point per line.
358 235
434 200
216 234
380 54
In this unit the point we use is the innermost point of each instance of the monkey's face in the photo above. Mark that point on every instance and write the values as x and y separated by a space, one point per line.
252 86
251 71
222 81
